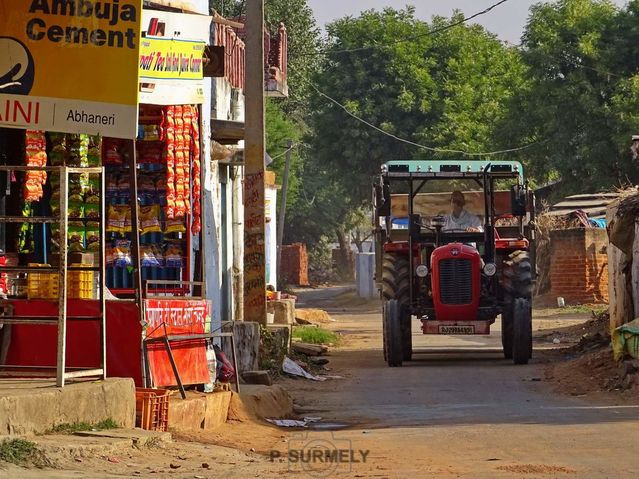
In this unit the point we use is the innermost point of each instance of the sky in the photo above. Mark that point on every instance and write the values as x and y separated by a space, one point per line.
507 20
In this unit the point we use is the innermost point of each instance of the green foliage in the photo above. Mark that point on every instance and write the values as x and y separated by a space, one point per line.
580 97
70 428
281 129
313 335
449 90
18 451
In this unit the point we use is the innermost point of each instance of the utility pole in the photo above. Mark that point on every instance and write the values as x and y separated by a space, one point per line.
254 195
282 215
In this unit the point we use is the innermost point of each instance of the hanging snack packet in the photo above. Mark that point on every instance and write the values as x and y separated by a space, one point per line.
112 152
94 155
77 236
148 257
92 207
109 256
76 206
58 148
111 185
116 219
150 219
122 253
159 256
174 226
173 256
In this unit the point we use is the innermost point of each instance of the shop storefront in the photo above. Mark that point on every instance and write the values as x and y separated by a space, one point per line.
113 135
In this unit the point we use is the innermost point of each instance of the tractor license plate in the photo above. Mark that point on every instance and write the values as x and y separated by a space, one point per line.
457 330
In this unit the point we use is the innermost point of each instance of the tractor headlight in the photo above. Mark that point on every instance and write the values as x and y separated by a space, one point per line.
421 271
490 269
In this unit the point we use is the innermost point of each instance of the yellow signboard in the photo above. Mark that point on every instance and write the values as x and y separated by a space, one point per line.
70 65
169 59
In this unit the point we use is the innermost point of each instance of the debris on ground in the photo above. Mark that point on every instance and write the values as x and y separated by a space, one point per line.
310 349
291 367
312 316
294 422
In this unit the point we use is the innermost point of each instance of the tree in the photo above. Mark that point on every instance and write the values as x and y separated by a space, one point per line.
572 101
446 90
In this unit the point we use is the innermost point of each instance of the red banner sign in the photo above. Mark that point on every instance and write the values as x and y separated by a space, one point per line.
177 317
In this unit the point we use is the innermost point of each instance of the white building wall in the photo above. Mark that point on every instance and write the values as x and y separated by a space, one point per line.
271 236
226 103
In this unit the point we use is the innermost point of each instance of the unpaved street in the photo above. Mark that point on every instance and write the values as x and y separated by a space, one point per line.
464 415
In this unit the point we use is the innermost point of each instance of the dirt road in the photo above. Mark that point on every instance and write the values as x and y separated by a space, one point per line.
463 415
469 415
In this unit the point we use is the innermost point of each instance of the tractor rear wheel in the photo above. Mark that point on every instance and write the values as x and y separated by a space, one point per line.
393 333
396 286
522 331
517 283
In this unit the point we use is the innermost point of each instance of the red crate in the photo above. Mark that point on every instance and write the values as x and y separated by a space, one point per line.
152 409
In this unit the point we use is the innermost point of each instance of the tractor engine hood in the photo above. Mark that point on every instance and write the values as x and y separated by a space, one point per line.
456 282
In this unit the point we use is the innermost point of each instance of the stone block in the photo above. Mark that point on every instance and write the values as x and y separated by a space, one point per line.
283 310
32 408
217 409
257 377
187 414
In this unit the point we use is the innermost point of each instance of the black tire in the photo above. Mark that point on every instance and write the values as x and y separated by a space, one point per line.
507 331
522 331
517 284
396 286
384 333
393 337
407 333
518 276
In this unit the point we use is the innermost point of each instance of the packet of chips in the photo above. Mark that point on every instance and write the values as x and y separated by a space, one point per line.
150 219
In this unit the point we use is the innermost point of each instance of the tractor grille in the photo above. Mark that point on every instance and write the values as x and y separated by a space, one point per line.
455 281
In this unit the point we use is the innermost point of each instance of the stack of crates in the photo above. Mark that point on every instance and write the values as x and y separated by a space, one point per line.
42 285
81 284
152 409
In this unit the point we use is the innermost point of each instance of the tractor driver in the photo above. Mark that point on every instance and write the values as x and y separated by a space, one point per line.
460 218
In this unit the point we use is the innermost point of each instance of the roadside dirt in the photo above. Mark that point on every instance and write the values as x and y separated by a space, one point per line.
587 368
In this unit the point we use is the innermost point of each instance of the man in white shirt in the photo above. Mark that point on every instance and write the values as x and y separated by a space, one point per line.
460 219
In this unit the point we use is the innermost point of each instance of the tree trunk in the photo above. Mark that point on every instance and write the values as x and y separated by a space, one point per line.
345 258
619 280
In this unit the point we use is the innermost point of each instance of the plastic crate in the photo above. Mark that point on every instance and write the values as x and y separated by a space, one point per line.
42 285
80 284
152 409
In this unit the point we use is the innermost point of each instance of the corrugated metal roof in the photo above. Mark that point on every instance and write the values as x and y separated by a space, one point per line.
594 205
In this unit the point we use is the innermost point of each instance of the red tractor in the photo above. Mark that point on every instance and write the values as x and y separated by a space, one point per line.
454 260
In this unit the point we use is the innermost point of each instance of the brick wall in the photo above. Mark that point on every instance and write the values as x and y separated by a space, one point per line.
294 267
579 265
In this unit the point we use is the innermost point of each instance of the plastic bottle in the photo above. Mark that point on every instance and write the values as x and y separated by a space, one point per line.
212 366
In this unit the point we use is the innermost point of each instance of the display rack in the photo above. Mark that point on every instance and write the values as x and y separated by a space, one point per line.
62 373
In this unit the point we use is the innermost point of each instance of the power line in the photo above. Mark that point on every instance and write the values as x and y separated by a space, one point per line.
414 37
284 152
418 145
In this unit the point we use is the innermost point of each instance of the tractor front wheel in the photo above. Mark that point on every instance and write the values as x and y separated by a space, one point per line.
516 328
522 331
393 337
396 286
507 331
407 333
